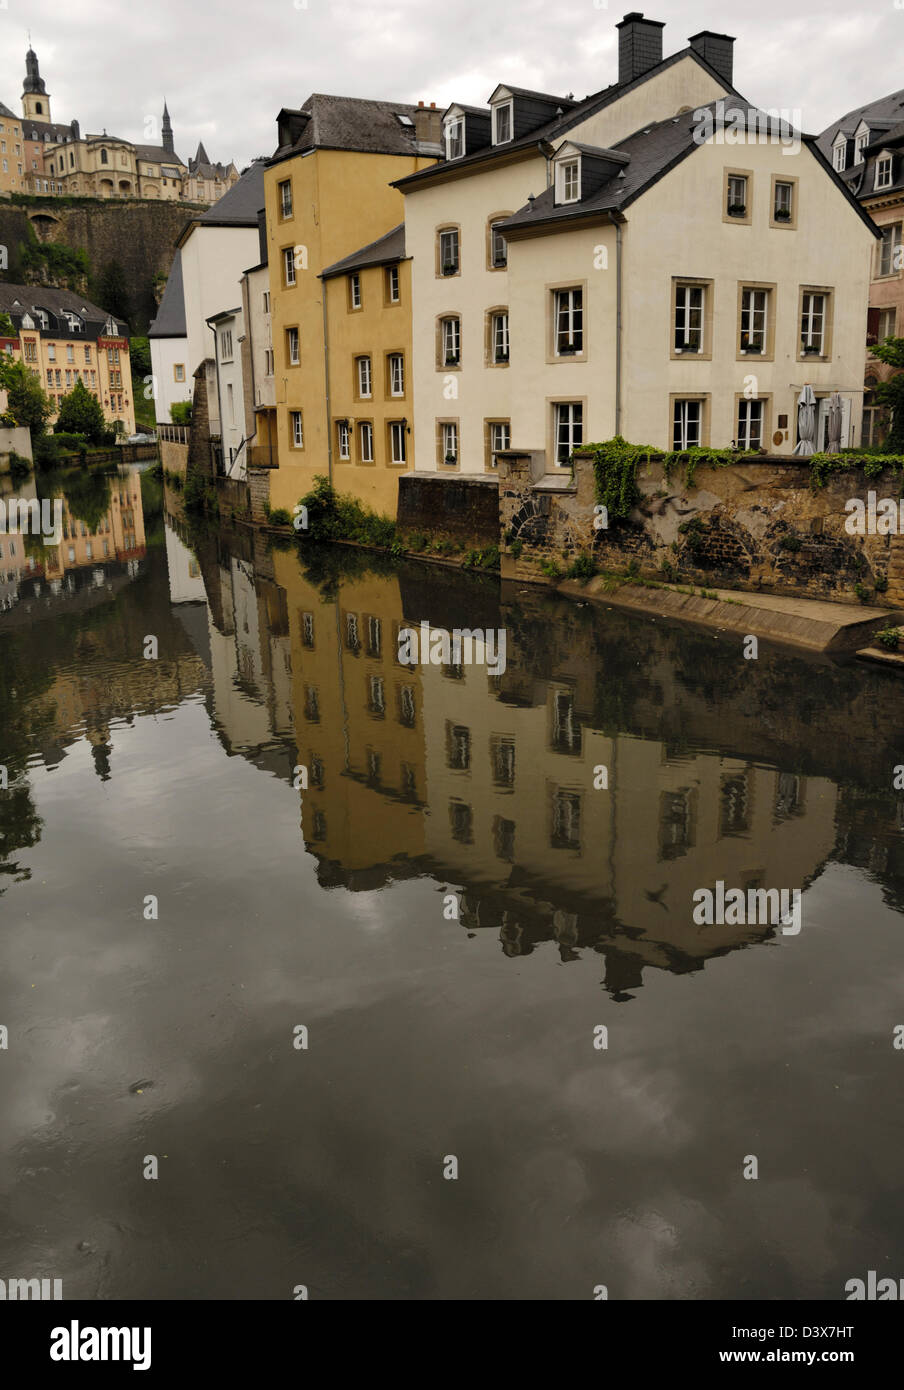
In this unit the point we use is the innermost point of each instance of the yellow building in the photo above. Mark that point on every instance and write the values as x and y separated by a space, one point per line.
327 191
13 172
368 337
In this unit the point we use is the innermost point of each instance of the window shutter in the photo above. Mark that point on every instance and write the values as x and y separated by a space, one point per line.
872 327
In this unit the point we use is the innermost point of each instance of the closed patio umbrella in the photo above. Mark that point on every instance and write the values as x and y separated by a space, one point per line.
806 421
834 441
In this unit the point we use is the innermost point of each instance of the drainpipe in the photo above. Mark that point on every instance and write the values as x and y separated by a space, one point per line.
326 376
618 317
216 358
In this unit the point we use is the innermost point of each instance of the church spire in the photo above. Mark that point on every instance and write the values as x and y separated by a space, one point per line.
35 100
167 130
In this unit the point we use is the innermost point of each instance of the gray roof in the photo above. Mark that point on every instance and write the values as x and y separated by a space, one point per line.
16 300
157 154
383 251
354 123
653 151
539 96
887 110
170 320
5 111
240 206
561 125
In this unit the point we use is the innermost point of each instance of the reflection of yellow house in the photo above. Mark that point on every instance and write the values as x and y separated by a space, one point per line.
118 535
368 321
328 193
359 725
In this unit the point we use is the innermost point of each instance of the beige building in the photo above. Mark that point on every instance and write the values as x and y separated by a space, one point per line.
644 262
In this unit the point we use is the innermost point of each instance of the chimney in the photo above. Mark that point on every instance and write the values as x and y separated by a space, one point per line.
428 124
639 46
717 50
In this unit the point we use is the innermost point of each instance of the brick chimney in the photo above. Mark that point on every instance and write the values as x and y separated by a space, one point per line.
428 124
717 50
639 46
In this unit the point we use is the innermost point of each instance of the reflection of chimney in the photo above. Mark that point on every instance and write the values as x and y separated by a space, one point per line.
428 124
639 46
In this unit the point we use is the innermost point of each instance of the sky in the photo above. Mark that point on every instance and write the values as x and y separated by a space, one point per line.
226 69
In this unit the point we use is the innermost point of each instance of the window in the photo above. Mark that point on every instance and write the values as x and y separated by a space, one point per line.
88 355
397 441
884 171
499 438
458 747
750 424
296 429
569 427
689 318
862 142
812 324
354 291
392 284
364 378
104 159
889 250
451 342
230 403
366 442
448 434
342 439
289 267
396 374
268 361
737 195
783 206
70 353
569 181
687 422
179 371
502 120
51 350
840 156
449 251
292 354
265 301
500 337
754 307
886 327
498 247
226 345
569 324
285 198
455 139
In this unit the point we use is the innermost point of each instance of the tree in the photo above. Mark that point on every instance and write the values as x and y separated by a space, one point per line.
891 393
80 413
28 404
7 327
140 356
180 412
113 291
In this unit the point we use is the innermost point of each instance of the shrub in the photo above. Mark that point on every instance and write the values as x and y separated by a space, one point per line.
180 412
551 569
19 467
70 443
581 568
517 547
791 543
279 516
889 638
332 516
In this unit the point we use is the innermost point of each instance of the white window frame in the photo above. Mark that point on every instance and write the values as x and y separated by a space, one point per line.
342 435
297 426
451 341
890 241
449 441
687 420
452 234
755 319
569 311
688 313
455 138
568 422
751 419
779 204
884 170
366 441
396 374
734 180
354 290
884 313
496 235
839 157
860 145
394 286
397 448
365 379
509 108
498 443
285 198
568 180
500 331
810 334
294 345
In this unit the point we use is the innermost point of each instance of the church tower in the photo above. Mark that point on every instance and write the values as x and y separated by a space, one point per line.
35 100
168 131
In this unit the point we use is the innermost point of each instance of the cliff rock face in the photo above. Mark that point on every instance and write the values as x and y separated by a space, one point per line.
138 237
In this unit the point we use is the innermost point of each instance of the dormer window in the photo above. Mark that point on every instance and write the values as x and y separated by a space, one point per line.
568 181
840 157
502 123
455 138
884 171
862 142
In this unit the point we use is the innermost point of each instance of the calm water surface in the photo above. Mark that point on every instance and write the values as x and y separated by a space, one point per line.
430 791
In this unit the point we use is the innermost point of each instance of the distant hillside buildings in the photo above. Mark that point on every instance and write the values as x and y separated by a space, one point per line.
41 156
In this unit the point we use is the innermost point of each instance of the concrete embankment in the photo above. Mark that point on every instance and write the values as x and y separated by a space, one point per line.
808 623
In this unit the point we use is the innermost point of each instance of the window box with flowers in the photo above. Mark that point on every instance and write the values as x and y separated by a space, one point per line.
782 214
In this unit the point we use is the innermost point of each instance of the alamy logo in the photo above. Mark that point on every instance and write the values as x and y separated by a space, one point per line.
873 1289
738 125
13 1290
763 907
876 517
426 646
27 516
75 1343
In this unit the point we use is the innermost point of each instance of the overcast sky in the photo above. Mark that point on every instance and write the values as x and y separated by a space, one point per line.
227 68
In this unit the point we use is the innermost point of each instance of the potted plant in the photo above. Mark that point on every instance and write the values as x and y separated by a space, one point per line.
449 267
749 345
451 359
737 209
451 460
810 349
782 214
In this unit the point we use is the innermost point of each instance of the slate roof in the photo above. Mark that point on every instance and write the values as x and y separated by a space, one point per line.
157 154
384 251
353 123
55 131
560 125
540 96
5 111
170 320
55 302
653 151
240 206
888 110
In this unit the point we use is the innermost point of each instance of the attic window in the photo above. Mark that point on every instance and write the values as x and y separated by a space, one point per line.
568 181
502 123
862 142
883 171
840 157
455 138
404 120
